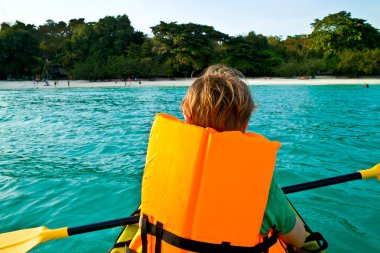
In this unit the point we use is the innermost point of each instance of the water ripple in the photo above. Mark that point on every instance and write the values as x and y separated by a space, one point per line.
75 156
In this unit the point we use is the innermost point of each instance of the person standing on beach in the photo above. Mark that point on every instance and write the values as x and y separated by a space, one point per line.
200 172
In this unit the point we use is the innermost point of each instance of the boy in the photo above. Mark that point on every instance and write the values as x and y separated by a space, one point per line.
198 174
221 100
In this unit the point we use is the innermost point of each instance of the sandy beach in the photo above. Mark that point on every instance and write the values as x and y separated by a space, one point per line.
184 82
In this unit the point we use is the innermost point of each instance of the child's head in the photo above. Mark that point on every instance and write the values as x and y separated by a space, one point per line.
219 99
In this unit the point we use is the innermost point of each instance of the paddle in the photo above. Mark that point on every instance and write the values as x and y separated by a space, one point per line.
373 172
24 240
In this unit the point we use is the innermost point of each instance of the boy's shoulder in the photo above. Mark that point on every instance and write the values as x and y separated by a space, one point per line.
257 136
262 138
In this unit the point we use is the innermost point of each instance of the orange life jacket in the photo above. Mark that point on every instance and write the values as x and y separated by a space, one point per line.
195 181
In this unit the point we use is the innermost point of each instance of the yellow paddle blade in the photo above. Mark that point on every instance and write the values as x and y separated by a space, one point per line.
373 172
24 240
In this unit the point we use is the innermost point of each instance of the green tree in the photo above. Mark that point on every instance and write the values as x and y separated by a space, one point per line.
339 31
297 47
18 51
183 48
298 59
52 39
78 49
306 67
251 54
98 50
72 25
355 63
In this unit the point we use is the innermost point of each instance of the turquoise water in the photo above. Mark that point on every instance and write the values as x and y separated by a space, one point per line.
71 157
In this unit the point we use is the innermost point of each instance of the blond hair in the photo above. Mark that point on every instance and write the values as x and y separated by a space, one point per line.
219 99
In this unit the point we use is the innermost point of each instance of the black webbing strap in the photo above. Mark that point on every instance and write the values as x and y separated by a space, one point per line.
144 235
159 232
265 240
128 250
121 244
198 246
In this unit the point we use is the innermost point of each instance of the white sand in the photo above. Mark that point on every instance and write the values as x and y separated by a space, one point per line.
185 82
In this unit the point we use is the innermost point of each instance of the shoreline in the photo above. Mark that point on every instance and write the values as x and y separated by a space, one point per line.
183 82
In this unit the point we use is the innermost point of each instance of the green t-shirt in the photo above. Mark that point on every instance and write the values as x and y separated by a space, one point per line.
278 212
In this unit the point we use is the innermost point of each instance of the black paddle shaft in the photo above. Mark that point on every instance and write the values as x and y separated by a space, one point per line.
286 190
103 225
321 183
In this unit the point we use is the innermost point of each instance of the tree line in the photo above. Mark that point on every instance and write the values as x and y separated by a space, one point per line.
111 48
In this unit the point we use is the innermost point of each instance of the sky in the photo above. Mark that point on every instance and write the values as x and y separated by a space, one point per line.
233 17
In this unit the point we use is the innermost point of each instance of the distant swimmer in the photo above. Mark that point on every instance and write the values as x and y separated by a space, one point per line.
366 85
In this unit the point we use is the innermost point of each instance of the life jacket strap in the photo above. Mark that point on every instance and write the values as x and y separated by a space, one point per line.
121 244
128 250
159 234
196 246
144 235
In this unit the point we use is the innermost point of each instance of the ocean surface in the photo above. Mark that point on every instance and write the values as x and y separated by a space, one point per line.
71 157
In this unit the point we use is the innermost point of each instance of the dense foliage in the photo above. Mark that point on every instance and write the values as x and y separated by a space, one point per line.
112 48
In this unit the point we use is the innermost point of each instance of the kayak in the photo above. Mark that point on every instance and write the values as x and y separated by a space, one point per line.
314 240
125 236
